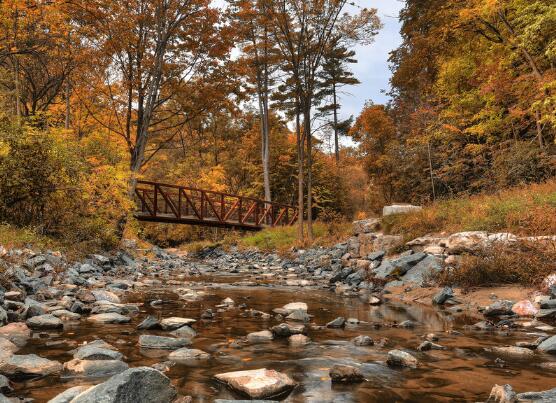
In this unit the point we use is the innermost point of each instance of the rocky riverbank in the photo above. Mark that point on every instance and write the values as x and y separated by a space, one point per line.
46 300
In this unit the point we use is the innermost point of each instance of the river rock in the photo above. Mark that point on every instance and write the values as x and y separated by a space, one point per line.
524 308
428 345
363 340
512 352
174 323
337 323
366 226
109 318
547 396
3 316
445 294
17 333
137 385
94 368
299 315
64 314
188 354
5 386
163 343
44 322
286 330
68 395
345 374
91 352
260 337
7 348
502 394
499 308
29 365
150 322
33 308
548 345
298 340
258 383
399 358
294 306
185 332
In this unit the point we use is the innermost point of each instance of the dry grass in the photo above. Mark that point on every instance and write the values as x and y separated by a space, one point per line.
519 263
526 210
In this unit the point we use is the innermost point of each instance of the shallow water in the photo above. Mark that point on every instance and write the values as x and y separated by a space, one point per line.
463 372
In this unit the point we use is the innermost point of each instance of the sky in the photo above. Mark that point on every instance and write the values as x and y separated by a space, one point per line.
372 67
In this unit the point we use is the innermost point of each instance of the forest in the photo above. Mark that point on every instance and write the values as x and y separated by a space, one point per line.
246 97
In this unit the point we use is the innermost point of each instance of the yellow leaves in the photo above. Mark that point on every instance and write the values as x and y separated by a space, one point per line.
4 149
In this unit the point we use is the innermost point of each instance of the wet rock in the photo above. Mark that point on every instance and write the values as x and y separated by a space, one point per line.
185 332
111 307
228 301
298 340
207 314
5 386
92 352
548 345
103 295
483 325
524 308
260 337
163 343
345 374
17 333
502 394
546 396
548 304
187 354
94 368
68 395
363 340
287 330
374 300
546 314
512 352
294 306
445 294
428 345
174 323
258 383
137 385
63 315
499 308
398 358
337 323
150 322
108 318
44 322
29 365
408 324
299 315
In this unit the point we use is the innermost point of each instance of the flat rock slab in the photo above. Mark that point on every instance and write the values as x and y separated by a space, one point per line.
398 358
107 318
103 295
89 352
175 323
29 365
294 306
94 368
260 337
187 355
17 333
162 343
137 385
45 322
258 383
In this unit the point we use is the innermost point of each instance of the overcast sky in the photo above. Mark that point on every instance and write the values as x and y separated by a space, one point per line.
372 67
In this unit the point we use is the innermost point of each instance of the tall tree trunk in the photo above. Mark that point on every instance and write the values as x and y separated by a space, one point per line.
300 157
430 169
307 132
539 128
336 142
68 106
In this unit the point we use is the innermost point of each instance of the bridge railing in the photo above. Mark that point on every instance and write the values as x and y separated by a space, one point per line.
172 203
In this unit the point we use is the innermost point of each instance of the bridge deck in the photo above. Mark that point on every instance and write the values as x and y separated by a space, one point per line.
165 203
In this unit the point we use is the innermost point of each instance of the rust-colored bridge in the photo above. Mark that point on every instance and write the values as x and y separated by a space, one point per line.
159 202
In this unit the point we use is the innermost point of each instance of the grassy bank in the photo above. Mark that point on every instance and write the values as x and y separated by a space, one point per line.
525 210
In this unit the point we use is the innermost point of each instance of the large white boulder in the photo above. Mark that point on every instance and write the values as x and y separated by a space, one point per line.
257 383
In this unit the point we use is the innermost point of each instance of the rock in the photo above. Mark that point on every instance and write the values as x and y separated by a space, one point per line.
7 348
68 395
408 324
91 352
400 209
548 304
63 315
299 315
502 394
546 314
398 358
44 322
445 294
3 317
512 352
29 365
174 323
260 337
184 332
373 300
103 295
465 242
546 396
258 383
366 226
17 333
110 307
5 386
287 330
548 345
107 318
228 301
345 374
298 340
378 255
187 354
337 323
163 343
137 385
525 308
499 308
423 271
14 296
294 306
363 340
33 308
427 346
150 322
94 368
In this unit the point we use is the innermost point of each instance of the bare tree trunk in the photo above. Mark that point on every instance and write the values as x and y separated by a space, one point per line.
336 142
68 106
307 132
300 157
431 174
539 128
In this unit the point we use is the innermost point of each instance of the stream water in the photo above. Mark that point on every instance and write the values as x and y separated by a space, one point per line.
462 372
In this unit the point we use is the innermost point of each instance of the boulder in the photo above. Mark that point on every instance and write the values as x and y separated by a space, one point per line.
17 333
150 322
423 271
337 323
299 315
258 383
45 322
428 345
512 352
174 323
499 308
345 374
29 365
162 343
137 385
184 332
108 318
66 315
366 226
94 368
103 295
260 337
68 395
298 340
546 396
548 345
5 386
7 348
294 306
399 358
92 352
444 295
286 330
525 308
400 209
363 340
187 355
